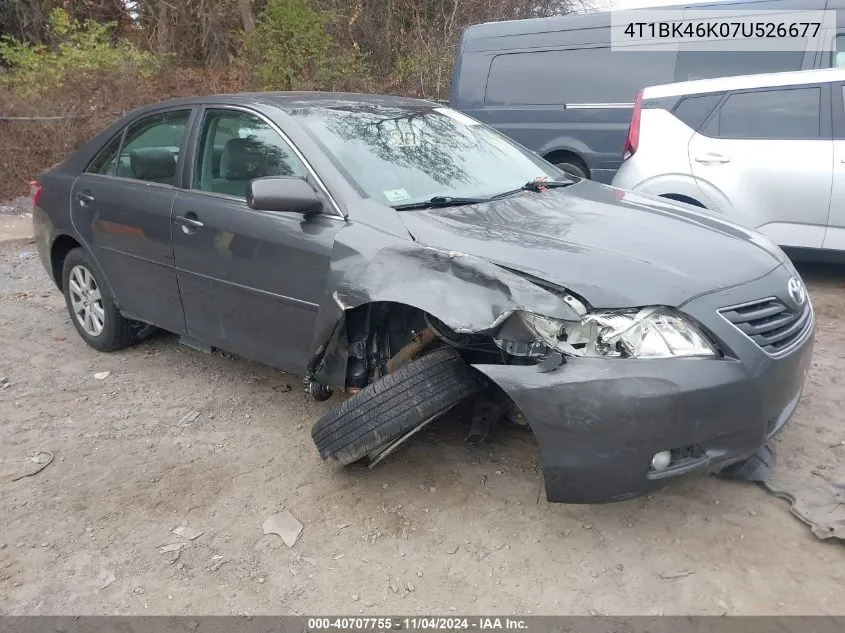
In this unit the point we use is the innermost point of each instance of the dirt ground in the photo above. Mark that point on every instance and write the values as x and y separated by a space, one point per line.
439 527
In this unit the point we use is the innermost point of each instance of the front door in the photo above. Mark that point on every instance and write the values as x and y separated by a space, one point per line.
251 281
764 159
121 207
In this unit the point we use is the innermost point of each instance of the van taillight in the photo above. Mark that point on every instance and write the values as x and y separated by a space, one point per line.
633 138
34 192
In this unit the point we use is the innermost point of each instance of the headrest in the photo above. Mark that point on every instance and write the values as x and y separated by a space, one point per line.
247 158
152 163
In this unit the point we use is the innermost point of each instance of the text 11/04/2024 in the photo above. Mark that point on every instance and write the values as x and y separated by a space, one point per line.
419 623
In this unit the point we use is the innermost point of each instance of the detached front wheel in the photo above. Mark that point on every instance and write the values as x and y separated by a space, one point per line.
395 406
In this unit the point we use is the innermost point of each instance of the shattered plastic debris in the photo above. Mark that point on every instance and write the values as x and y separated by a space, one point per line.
758 467
173 547
822 507
102 375
187 532
189 417
285 525
106 578
671 575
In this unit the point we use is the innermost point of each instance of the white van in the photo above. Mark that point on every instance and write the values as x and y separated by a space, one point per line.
766 150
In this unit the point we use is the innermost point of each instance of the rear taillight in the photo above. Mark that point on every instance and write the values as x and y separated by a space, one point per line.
633 138
35 192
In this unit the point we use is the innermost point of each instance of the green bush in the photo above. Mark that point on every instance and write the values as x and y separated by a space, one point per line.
293 50
77 48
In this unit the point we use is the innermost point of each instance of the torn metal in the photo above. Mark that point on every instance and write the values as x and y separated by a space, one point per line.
466 293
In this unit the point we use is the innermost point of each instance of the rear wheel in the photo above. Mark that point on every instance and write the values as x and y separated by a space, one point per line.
90 304
573 169
395 405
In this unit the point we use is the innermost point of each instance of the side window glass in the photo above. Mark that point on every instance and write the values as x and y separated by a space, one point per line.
151 147
839 54
693 111
104 162
771 114
695 63
236 147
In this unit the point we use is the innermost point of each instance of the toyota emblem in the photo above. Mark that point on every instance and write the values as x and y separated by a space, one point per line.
796 291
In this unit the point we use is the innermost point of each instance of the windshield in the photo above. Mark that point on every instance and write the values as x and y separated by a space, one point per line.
402 156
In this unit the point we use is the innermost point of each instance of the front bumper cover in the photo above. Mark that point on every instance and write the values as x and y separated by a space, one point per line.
599 421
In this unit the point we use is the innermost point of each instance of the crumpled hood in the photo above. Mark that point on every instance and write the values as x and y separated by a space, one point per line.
614 248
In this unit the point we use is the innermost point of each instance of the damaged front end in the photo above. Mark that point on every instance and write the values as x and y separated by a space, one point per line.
379 305
548 358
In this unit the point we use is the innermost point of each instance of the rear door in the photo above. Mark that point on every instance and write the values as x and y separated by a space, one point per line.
835 233
250 281
764 158
121 207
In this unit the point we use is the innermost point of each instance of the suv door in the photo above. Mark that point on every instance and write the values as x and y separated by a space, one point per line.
251 281
834 237
121 207
764 158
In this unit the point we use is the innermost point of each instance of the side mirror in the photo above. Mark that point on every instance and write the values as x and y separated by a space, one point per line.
283 194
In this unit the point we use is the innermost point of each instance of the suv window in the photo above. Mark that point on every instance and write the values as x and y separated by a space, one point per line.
582 75
105 161
791 113
151 147
236 147
839 54
693 111
704 64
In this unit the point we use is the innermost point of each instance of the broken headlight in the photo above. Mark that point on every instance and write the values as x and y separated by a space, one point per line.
653 332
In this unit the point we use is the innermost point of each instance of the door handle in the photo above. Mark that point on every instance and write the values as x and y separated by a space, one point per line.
188 222
85 198
712 159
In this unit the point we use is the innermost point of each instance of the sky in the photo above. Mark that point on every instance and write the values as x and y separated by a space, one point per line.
640 4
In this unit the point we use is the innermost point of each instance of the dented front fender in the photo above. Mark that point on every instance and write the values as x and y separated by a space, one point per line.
467 293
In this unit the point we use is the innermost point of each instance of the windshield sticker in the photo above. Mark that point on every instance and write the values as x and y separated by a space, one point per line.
457 116
396 195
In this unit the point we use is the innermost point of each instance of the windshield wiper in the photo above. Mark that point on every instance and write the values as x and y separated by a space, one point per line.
536 186
439 201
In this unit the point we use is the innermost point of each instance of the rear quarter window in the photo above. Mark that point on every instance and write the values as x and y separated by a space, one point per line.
582 75
693 111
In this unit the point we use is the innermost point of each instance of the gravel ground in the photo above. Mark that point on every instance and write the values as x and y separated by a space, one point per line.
16 206
438 526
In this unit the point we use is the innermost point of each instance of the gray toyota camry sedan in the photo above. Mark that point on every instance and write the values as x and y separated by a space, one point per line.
415 260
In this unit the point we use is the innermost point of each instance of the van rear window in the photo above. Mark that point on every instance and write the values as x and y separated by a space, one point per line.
583 75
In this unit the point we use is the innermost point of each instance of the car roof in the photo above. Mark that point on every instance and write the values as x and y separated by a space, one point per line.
289 101
742 82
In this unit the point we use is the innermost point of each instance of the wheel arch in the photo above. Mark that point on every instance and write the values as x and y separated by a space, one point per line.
679 197
61 246
558 156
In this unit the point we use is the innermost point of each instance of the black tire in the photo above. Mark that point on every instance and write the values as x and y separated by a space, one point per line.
117 331
394 405
573 169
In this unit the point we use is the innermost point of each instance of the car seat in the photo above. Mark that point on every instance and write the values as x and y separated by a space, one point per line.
244 159
153 164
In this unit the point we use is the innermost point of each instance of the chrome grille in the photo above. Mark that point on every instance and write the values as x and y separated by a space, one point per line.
770 323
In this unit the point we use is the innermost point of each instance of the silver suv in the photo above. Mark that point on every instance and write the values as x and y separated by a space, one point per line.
768 151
